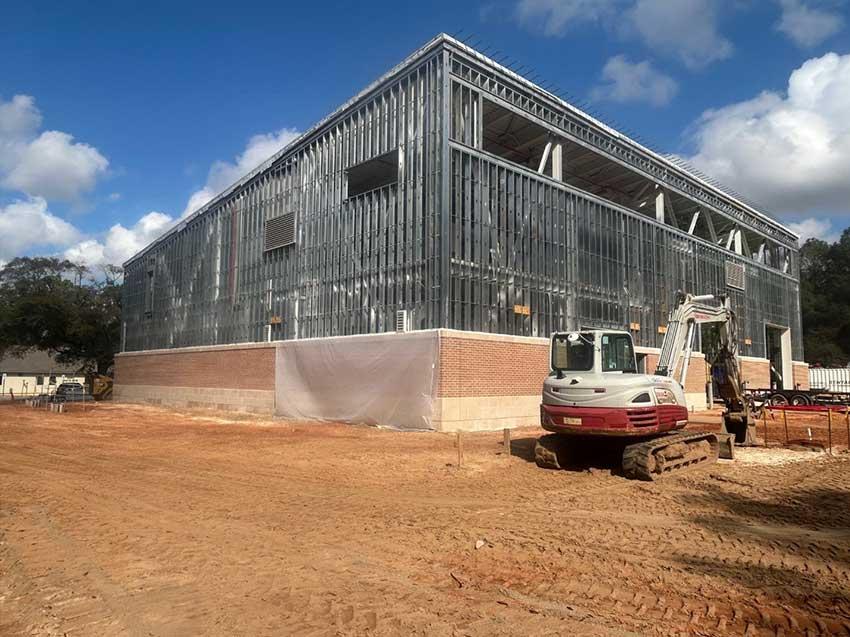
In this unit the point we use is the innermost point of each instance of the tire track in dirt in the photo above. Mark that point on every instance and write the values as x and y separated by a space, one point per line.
298 529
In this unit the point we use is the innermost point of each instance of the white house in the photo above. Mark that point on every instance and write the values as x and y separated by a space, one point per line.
35 373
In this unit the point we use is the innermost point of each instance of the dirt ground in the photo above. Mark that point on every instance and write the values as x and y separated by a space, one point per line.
141 521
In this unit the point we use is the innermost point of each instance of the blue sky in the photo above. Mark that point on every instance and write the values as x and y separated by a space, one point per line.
114 116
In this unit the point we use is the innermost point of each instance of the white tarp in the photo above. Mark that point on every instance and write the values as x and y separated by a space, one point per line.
379 379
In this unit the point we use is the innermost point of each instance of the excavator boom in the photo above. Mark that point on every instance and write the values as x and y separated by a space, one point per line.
690 312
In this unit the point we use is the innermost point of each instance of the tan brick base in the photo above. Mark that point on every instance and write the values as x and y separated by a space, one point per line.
486 413
251 400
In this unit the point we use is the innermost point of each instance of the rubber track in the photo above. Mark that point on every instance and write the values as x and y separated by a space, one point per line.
636 458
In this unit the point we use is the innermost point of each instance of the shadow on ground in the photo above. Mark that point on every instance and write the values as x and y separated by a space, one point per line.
584 454
797 541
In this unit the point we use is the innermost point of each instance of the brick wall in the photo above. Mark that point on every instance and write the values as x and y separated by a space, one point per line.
480 365
755 373
230 368
697 376
801 375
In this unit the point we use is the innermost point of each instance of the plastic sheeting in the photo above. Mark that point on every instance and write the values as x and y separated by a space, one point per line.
388 380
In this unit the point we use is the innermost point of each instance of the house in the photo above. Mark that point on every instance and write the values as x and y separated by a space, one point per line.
37 372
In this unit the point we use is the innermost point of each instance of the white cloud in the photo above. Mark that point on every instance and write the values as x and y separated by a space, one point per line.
55 167
790 152
686 29
624 81
198 199
556 16
27 224
19 118
50 164
223 174
813 228
807 26
120 243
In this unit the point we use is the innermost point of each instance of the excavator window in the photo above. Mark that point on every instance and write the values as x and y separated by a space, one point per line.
574 355
618 354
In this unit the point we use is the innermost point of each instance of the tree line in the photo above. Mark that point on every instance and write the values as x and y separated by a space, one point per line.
62 307
825 301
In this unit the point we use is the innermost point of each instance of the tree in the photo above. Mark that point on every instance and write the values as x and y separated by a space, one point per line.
825 301
57 306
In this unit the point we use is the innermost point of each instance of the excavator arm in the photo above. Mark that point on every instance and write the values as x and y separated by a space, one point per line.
690 312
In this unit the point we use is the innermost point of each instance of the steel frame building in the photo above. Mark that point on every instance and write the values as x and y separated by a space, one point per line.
457 191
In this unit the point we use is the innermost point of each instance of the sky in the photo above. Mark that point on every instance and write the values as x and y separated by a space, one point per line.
119 118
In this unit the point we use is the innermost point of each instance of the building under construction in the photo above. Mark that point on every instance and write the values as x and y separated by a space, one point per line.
455 199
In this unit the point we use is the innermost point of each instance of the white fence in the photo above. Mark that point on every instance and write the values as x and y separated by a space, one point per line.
830 379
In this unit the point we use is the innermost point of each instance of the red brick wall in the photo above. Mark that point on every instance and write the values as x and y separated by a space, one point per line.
478 367
801 375
231 368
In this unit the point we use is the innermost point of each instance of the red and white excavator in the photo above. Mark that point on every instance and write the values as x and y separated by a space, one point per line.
594 390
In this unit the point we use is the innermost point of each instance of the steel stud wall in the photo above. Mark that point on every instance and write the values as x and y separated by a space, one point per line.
465 239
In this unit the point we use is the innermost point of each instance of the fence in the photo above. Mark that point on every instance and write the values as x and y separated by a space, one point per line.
824 426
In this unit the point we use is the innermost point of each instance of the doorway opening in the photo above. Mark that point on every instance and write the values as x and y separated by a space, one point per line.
778 352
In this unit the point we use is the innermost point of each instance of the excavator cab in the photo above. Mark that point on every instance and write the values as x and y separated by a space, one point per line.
594 351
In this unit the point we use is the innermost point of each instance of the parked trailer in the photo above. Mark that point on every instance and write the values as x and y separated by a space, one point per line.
798 397
836 379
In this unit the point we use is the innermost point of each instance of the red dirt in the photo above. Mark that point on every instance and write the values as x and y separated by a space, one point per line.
141 521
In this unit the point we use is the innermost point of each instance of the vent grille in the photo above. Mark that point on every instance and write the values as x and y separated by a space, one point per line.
279 231
735 275
401 321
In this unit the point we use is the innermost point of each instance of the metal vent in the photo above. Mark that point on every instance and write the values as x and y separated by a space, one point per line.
401 321
280 231
735 275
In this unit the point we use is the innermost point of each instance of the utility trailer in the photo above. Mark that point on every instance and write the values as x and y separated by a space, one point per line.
797 397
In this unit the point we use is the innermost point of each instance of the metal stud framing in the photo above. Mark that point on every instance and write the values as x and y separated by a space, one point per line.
465 239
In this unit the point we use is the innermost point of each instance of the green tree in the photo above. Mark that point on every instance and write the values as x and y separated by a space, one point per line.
57 306
825 301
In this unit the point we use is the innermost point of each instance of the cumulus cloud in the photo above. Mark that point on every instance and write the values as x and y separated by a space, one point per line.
49 164
624 81
684 29
789 151
813 228
223 174
120 243
807 26
19 117
554 17
27 224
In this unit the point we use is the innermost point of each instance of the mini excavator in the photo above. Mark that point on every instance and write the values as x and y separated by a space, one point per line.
595 391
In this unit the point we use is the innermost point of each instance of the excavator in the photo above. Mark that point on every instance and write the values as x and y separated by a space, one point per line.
594 392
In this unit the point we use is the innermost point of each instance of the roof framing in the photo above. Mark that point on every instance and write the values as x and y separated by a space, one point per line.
485 74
